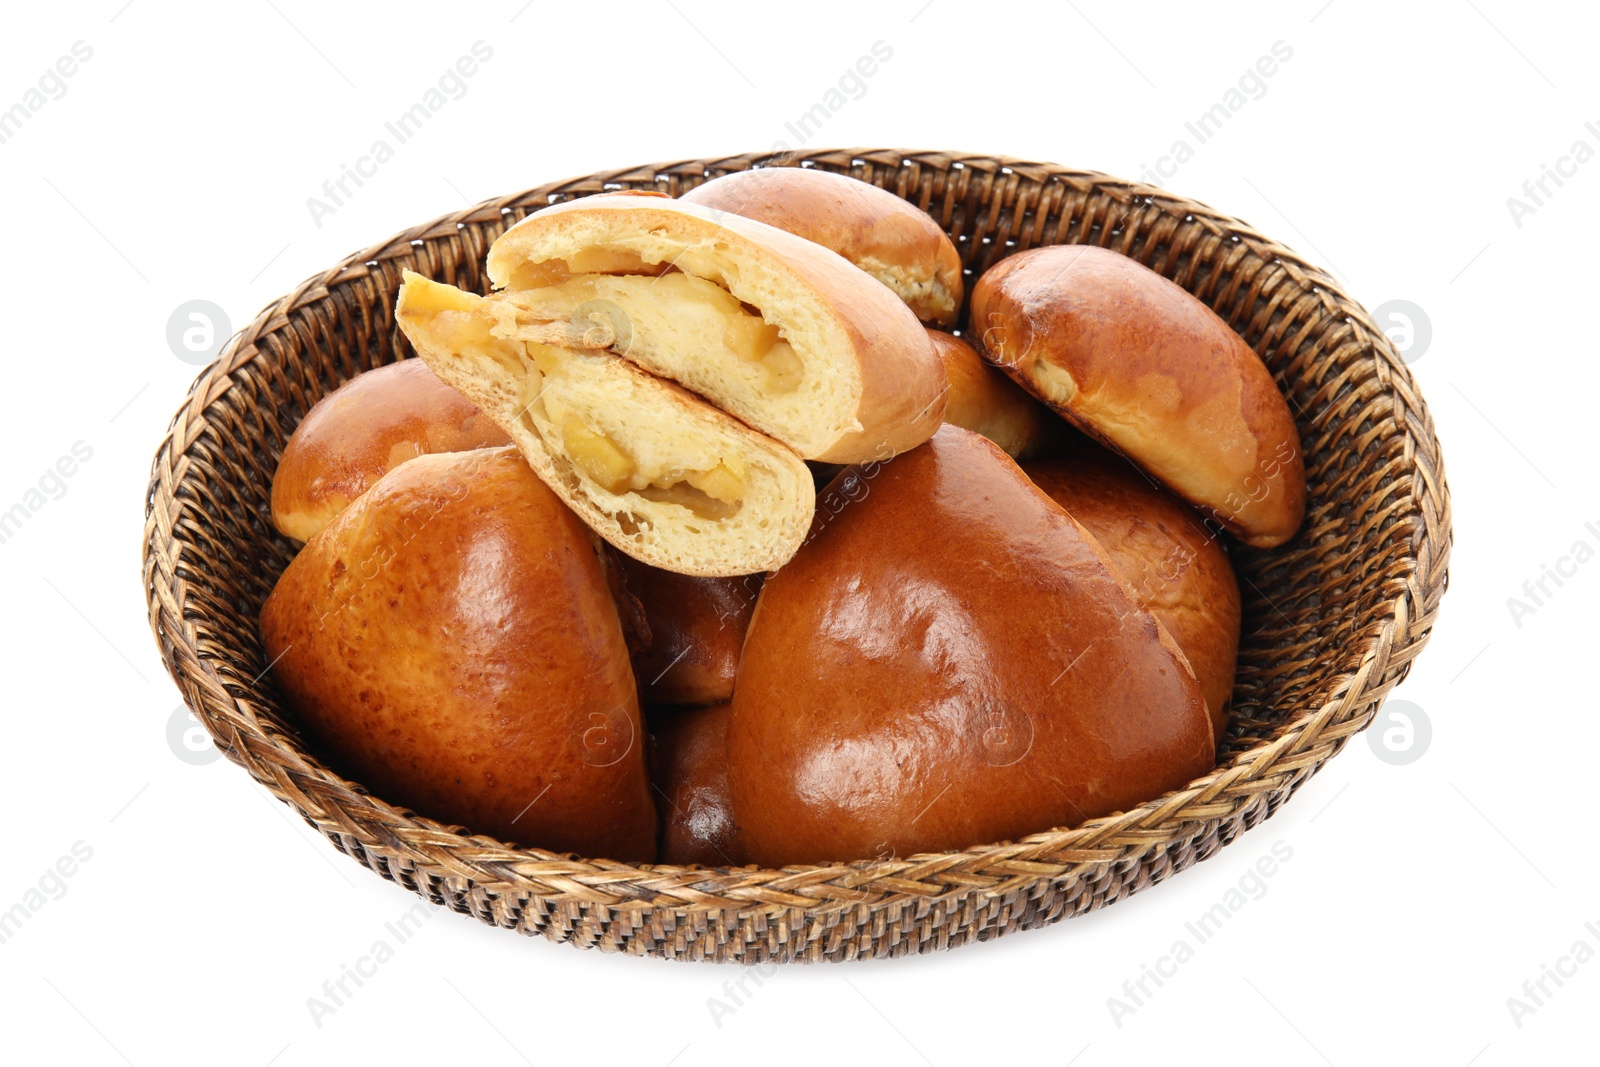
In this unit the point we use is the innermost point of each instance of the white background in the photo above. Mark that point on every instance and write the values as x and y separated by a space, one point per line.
177 166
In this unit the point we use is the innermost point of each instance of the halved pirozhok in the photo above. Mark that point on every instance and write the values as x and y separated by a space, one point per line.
780 332
658 472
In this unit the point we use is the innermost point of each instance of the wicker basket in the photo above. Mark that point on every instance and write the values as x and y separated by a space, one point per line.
1332 620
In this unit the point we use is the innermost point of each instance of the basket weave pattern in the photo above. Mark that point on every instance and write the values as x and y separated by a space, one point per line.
1332 620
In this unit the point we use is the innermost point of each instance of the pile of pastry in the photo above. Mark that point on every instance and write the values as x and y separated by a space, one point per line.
698 539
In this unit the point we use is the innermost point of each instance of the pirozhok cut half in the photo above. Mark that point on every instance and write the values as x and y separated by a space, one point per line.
656 471
780 332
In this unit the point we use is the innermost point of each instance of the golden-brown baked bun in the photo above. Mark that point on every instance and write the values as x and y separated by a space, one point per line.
950 660
780 332
891 239
696 628
449 642
1138 363
363 430
690 773
664 476
985 401
1178 571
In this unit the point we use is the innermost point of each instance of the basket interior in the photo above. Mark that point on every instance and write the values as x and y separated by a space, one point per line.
1313 609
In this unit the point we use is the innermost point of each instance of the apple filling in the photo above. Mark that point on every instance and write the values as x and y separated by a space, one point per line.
584 261
637 314
710 494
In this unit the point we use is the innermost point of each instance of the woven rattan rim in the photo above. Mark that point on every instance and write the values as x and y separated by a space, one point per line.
1332 621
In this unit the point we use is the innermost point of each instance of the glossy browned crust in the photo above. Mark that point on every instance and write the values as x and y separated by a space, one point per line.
696 628
1142 365
450 643
950 660
690 774
902 381
891 239
362 431
1177 569
982 399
